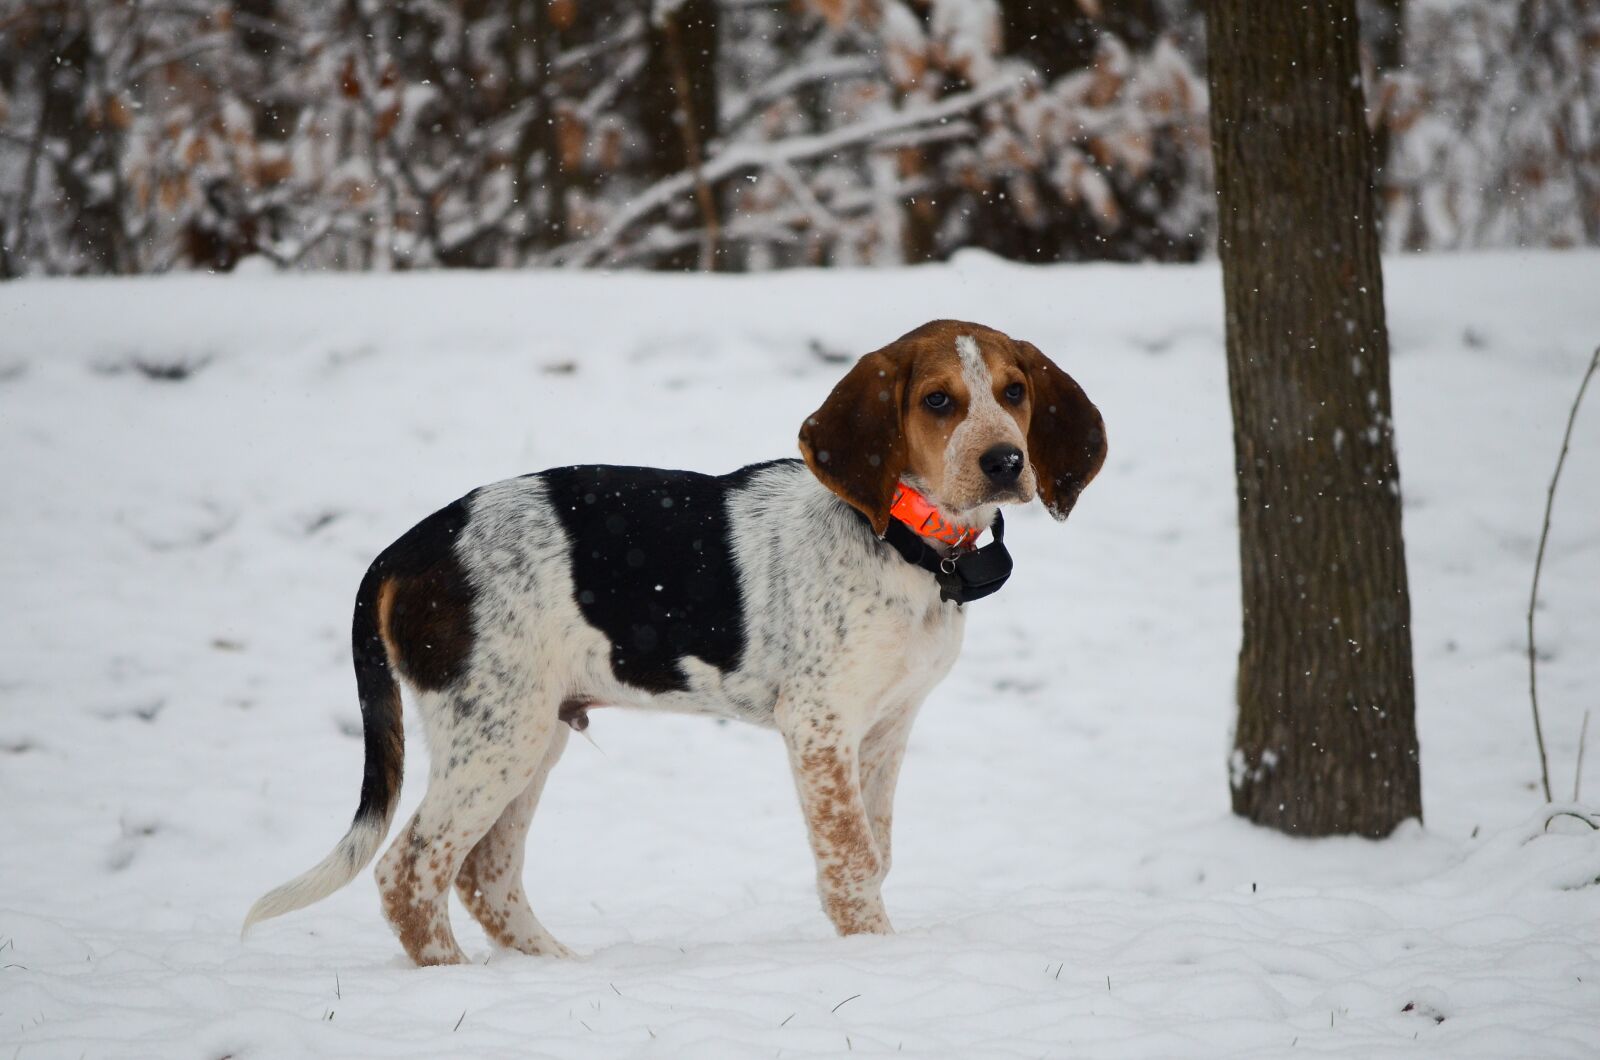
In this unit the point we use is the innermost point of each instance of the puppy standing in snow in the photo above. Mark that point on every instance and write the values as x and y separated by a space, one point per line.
822 598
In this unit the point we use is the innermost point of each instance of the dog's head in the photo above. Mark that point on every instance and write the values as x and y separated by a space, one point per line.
961 413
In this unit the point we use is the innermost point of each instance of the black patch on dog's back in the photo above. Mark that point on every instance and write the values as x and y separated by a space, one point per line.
653 566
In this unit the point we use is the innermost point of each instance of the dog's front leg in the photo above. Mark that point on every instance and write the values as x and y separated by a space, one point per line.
882 751
825 756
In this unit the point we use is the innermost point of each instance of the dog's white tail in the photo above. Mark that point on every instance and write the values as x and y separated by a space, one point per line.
352 854
384 737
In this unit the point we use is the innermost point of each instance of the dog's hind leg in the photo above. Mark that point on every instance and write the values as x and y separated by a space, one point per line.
481 762
490 881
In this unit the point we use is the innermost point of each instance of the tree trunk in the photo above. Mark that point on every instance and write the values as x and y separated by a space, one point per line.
676 124
1383 27
533 40
1060 36
1326 739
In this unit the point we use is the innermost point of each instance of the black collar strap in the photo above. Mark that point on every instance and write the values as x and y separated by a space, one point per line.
964 576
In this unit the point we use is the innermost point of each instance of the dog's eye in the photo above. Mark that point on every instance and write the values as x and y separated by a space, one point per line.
1015 393
938 401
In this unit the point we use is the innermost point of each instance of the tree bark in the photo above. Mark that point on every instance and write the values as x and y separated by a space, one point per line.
532 35
1326 737
1059 36
670 122
1383 27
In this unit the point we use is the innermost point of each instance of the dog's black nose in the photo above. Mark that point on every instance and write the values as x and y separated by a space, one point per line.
1002 464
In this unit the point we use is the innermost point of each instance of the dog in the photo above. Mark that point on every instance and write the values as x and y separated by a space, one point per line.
823 597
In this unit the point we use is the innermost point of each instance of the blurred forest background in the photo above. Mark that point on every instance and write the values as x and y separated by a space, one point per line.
143 136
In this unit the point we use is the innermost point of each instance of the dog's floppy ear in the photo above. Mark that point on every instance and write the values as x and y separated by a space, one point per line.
854 443
1066 436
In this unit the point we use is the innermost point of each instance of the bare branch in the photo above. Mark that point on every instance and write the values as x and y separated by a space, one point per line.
175 55
631 32
1538 566
1577 773
241 19
608 89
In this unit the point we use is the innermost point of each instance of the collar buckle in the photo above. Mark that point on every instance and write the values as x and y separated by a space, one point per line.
962 576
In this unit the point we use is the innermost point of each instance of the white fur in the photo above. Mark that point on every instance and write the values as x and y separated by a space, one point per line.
972 366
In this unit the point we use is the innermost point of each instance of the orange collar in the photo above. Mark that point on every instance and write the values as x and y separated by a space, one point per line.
917 512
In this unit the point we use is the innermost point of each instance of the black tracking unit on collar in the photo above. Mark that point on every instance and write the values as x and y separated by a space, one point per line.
964 576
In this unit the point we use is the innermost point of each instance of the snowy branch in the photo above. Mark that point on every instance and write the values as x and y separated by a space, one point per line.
744 156
830 68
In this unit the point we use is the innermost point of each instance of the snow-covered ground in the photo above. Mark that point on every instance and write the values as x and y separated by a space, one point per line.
178 725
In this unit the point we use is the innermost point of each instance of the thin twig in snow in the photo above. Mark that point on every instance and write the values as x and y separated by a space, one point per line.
1538 565
1577 774
1570 813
